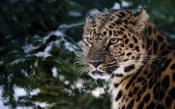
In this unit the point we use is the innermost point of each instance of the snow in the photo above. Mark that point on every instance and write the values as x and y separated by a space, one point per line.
66 82
20 92
28 48
54 72
43 54
2 106
70 47
58 32
17 61
116 6
79 84
123 3
79 43
97 92
43 104
61 77
35 92
171 35
67 26
140 6
74 14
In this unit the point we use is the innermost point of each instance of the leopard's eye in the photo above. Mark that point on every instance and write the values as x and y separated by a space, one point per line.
89 40
113 41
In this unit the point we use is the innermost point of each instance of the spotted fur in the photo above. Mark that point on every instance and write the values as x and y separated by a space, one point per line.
133 55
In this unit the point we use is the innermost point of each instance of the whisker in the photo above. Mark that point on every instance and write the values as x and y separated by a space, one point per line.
80 64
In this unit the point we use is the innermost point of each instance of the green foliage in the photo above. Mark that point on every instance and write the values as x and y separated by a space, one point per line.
34 54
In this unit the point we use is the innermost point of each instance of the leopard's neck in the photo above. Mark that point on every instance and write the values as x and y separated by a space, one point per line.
156 42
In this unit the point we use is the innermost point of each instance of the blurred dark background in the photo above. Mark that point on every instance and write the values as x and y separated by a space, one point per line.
38 41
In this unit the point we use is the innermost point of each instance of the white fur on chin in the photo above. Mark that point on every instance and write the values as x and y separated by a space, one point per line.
97 76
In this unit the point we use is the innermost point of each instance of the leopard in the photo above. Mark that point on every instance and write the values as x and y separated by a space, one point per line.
136 59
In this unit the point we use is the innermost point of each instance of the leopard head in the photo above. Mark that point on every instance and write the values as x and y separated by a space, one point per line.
113 42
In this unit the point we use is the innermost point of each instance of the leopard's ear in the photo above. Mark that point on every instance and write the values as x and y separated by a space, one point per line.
91 14
138 20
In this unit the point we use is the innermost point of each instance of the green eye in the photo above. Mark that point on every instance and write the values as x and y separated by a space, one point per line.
89 40
113 41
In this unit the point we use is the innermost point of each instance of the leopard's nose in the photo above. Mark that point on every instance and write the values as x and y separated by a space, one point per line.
96 63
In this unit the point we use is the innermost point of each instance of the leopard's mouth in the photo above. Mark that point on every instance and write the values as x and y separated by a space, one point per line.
106 74
100 75
96 72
